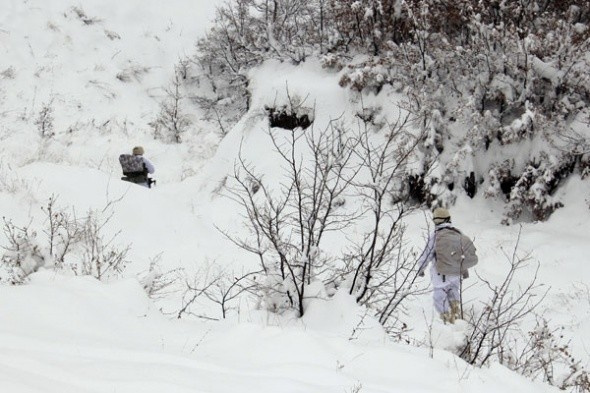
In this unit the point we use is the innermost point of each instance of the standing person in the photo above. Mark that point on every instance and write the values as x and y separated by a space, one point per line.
451 254
136 167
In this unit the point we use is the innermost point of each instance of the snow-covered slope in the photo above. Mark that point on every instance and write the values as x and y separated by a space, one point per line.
61 333
79 335
102 68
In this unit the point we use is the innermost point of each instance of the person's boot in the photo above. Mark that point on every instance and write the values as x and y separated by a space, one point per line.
456 309
451 317
447 317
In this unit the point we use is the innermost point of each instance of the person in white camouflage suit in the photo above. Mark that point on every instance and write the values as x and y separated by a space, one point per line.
136 167
447 288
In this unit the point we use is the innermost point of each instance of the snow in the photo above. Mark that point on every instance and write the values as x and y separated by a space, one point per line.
73 67
547 71
65 333
80 335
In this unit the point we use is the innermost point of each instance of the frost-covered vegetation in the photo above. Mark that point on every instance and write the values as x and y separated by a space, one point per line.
500 89
67 242
298 153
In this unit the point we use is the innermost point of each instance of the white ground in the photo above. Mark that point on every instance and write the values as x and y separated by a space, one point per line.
76 334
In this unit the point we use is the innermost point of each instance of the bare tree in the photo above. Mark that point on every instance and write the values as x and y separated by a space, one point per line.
246 33
22 256
491 326
229 287
194 287
102 256
291 220
62 231
544 354
44 121
158 284
172 122
332 179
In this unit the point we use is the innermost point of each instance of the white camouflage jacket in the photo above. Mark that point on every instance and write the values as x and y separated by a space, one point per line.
428 255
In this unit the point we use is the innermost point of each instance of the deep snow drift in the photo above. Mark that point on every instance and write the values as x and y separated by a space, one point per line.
79 335
103 67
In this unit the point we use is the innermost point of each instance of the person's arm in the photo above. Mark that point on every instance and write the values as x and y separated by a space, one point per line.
148 165
427 255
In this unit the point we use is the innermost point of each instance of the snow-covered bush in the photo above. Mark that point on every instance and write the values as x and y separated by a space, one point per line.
172 121
370 75
62 230
491 74
289 223
491 327
283 118
133 72
218 285
157 283
294 114
22 256
496 334
101 256
534 188
71 245
245 33
79 13
10 181
546 356
585 165
44 121
502 78
368 25
8 73
483 81
27 252
346 177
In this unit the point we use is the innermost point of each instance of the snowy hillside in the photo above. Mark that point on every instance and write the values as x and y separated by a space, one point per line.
78 335
94 75
94 79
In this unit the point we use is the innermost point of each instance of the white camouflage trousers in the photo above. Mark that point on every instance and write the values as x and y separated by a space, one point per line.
446 289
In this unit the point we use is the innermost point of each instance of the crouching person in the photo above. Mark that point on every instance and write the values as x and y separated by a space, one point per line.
452 254
136 168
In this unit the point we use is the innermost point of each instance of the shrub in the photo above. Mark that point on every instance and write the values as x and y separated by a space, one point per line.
494 77
289 222
172 122
72 244
22 256
44 121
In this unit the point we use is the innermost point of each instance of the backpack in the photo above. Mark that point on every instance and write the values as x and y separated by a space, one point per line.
132 165
455 252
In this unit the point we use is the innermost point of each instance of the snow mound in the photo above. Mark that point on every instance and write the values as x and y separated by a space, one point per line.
80 335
